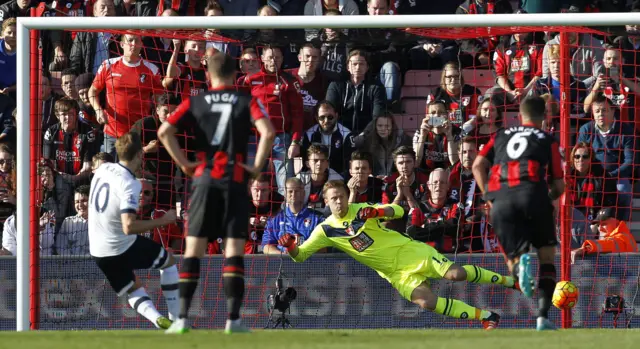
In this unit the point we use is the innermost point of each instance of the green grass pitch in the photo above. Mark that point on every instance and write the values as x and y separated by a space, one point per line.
326 339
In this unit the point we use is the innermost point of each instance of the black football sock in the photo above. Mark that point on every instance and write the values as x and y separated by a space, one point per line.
233 280
189 276
546 285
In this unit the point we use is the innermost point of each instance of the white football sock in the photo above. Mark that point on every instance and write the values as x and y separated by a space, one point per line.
140 302
169 279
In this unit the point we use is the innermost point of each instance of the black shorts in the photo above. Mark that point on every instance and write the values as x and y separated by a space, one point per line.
523 220
218 213
143 254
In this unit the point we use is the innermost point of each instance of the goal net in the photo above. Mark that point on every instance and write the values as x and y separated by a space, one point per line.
357 93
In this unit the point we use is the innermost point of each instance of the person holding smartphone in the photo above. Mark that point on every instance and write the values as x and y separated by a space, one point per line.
613 83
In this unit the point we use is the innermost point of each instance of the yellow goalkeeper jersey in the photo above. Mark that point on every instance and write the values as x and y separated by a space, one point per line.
366 241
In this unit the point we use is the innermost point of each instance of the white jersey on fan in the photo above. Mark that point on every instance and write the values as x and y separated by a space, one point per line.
114 190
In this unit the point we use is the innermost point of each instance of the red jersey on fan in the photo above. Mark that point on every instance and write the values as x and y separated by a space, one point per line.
191 81
462 106
130 88
169 235
281 99
71 8
312 92
519 63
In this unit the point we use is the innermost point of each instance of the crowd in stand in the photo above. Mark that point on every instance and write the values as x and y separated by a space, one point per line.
335 97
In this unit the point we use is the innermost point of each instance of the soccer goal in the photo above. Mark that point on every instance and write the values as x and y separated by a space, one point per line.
67 291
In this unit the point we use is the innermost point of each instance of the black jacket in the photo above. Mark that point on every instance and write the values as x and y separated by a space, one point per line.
143 8
83 52
341 146
357 105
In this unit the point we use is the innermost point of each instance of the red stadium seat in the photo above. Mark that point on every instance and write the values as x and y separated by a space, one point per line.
482 79
422 78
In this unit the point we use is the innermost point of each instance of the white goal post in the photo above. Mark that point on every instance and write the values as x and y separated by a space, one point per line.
24 24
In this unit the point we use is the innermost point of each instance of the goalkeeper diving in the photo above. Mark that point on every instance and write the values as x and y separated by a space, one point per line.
406 263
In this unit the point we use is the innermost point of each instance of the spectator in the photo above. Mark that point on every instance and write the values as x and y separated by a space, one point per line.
589 188
381 138
68 84
56 44
517 67
8 64
57 192
435 142
586 55
283 102
436 219
386 50
482 7
362 186
86 114
613 83
90 49
215 40
552 110
317 174
406 187
120 76
461 100
358 100
615 236
9 135
190 79
311 82
551 85
8 183
330 133
286 39
49 99
66 144
335 50
157 163
169 236
464 191
296 219
433 54
266 204
488 121
136 8
73 238
630 46
14 8
46 234
320 7
614 147
480 50
158 50
249 64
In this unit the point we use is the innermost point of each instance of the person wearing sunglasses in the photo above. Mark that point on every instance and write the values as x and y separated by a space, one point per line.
332 134
589 188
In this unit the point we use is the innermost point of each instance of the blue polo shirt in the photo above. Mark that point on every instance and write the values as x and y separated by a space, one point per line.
7 67
300 225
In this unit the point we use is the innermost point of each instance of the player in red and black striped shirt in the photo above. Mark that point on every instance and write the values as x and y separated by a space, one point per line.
221 122
516 189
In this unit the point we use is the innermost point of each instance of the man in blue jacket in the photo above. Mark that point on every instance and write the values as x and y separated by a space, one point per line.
295 219
614 146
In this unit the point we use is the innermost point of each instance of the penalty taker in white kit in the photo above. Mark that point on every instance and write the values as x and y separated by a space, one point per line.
406 263
113 228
